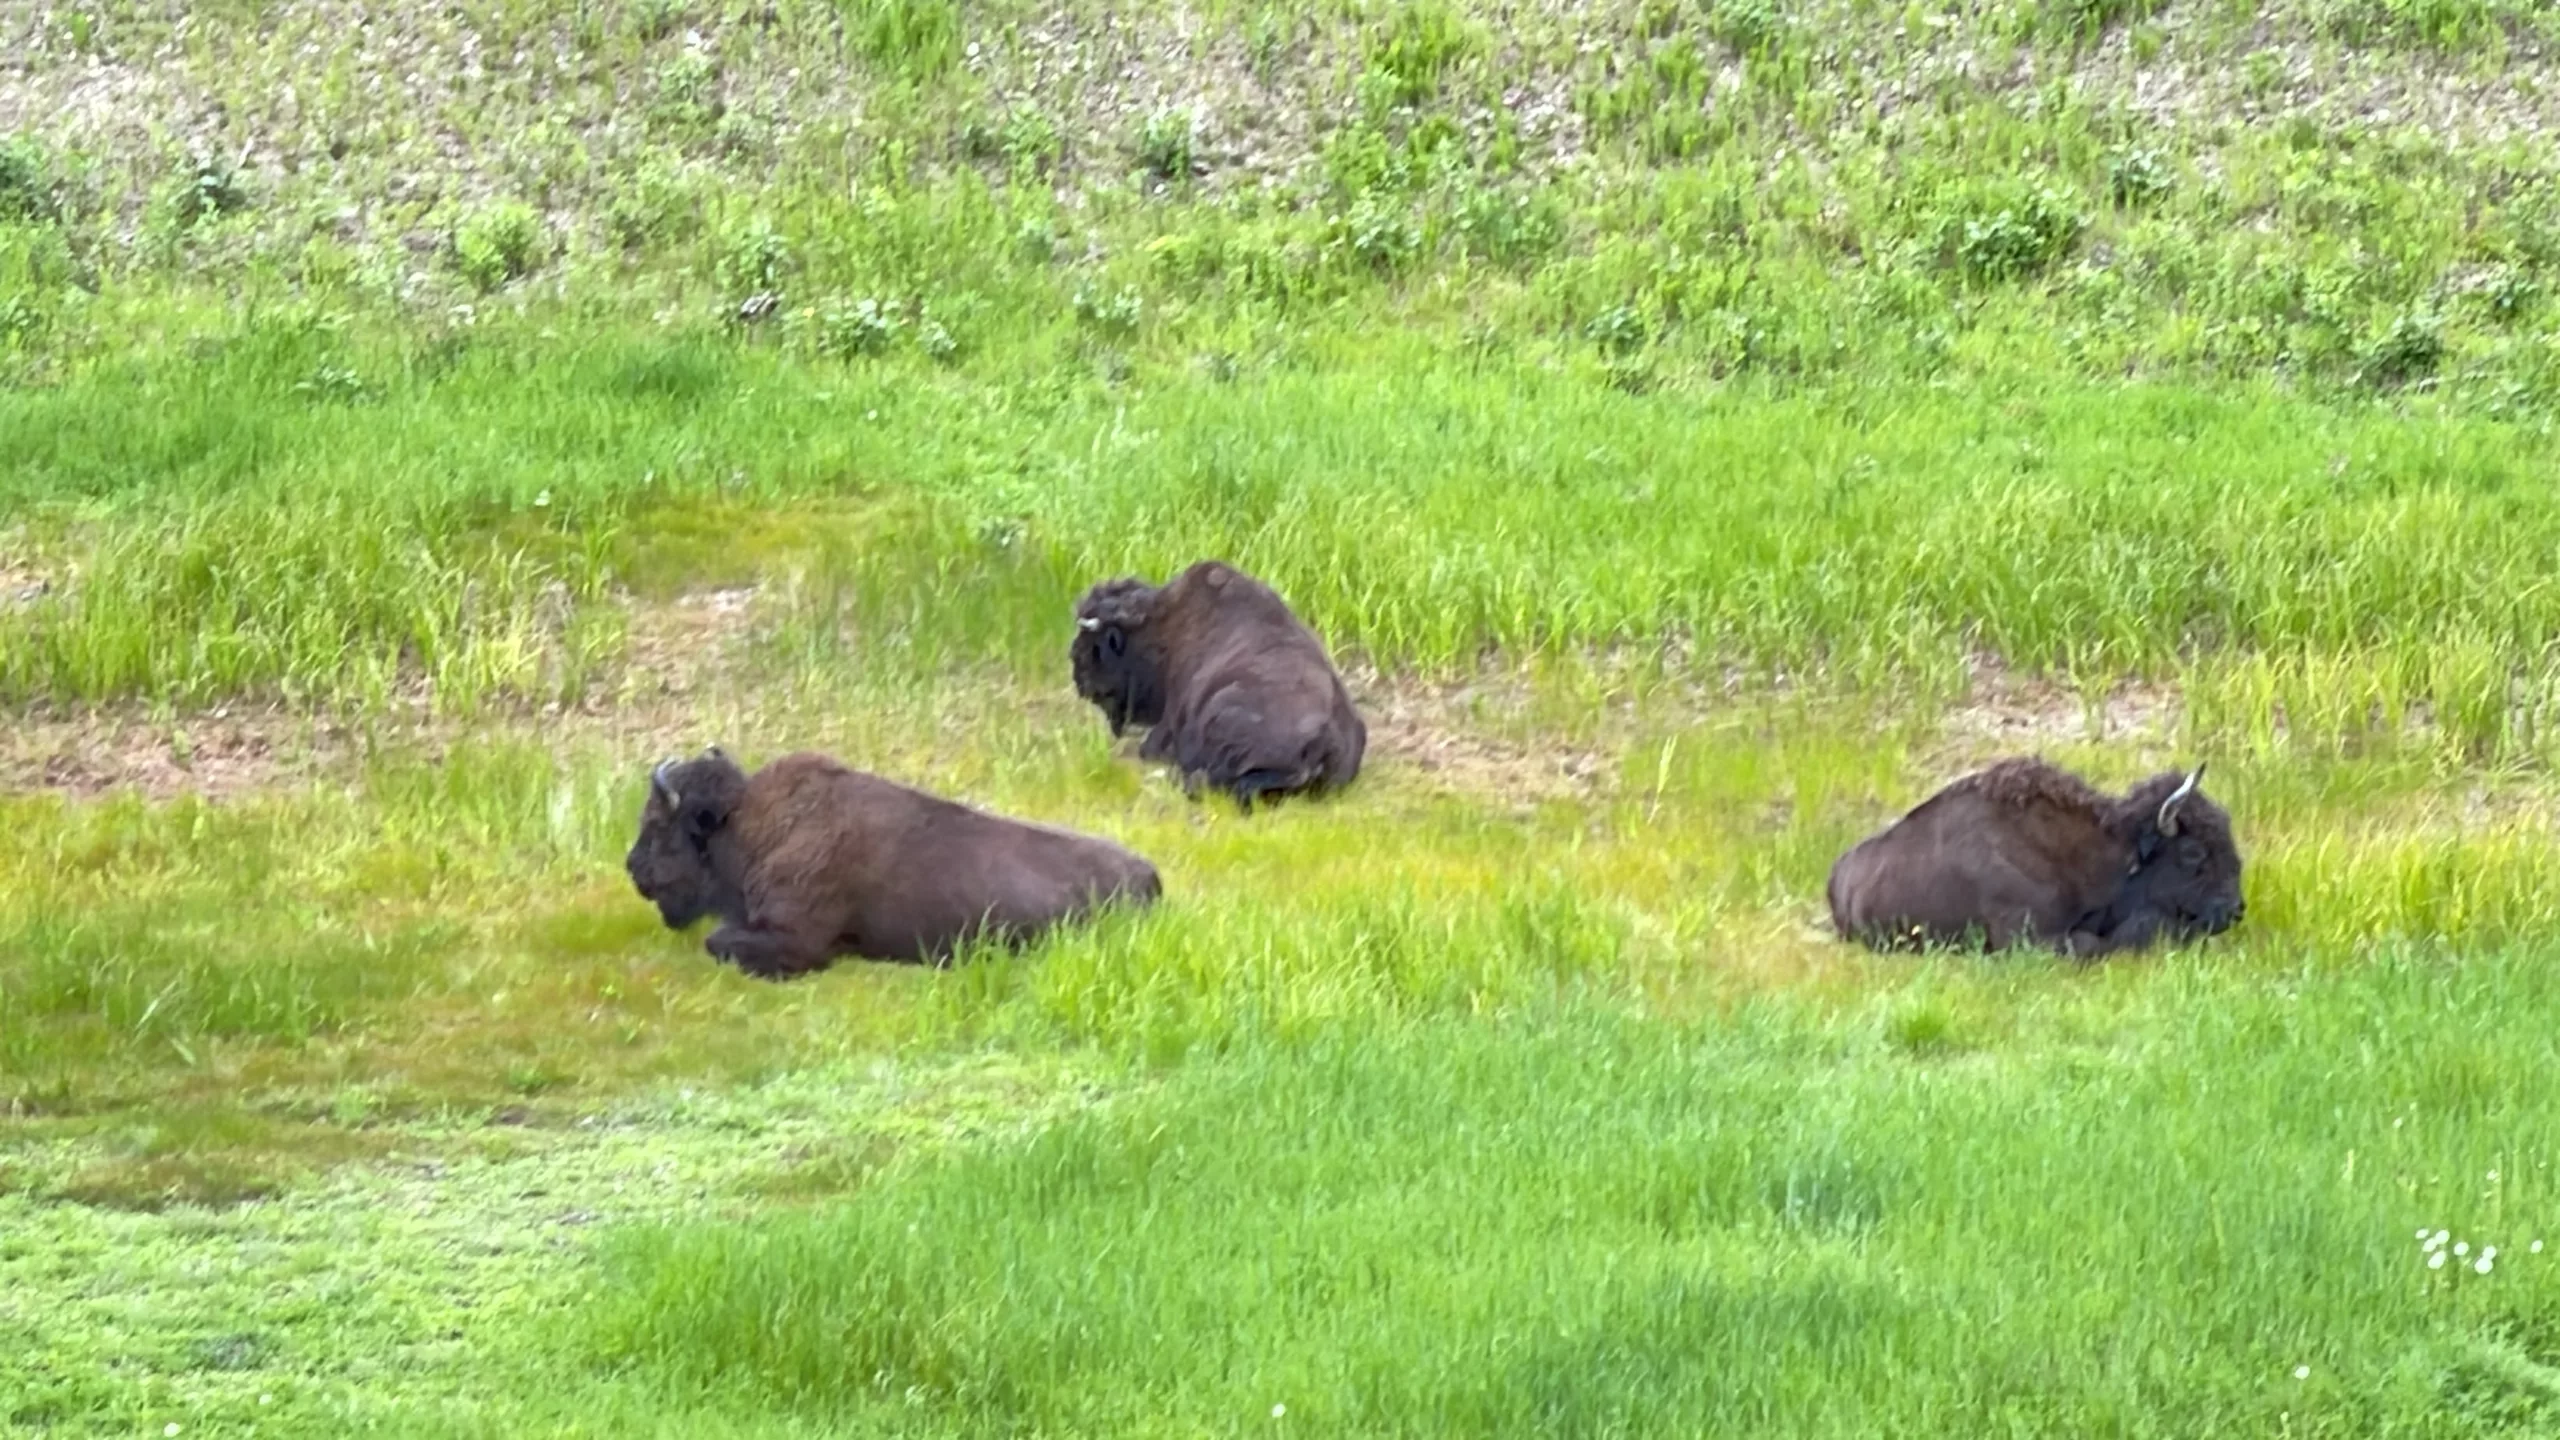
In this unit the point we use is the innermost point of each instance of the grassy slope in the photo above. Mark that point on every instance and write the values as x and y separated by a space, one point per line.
1712 401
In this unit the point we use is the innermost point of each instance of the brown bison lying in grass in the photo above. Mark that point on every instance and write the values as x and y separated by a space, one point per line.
1236 691
2025 853
807 860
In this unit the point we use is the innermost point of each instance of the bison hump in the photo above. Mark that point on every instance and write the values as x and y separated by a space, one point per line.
2031 782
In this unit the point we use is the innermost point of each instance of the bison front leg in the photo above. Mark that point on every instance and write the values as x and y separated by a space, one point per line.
2086 944
767 954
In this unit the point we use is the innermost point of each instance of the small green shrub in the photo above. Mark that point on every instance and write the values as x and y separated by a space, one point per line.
2437 24
2088 17
654 20
1421 45
1114 314
755 259
332 383
1036 239
1379 232
21 318
2009 234
2408 351
2511 292
27 187
1619 330
858 328
1031 141
1508 228
207 188
1164 144
655 206
686 101
2138 176
913 39
497 243
1748 27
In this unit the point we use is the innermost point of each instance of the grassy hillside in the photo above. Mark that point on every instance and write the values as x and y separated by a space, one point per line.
1701 430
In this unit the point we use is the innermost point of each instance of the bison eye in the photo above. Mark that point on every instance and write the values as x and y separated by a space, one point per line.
2191 854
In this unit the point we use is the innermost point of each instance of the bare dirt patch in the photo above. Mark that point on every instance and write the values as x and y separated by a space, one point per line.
215 753
676 646
653 704
1435 730
20 585
2008 713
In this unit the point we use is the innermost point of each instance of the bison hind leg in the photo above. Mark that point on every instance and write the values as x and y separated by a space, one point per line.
1264 786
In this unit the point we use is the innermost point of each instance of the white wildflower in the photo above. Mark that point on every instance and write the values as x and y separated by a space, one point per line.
2488 1252
2535 1247
2461 1248
2423 1233
266 1399
2481 1265
2301 1372
169 1429
1279 1410
2436 1261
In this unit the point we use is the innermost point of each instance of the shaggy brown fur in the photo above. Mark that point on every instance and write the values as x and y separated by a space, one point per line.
808 860
2023 852
1236 691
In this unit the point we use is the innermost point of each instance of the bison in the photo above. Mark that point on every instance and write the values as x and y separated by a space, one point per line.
2026 853
1235 690
806 860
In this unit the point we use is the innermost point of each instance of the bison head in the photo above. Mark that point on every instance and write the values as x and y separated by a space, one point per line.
671 863
2185 877
1113 662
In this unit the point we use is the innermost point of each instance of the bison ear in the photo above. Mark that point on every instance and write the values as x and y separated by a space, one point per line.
2177 801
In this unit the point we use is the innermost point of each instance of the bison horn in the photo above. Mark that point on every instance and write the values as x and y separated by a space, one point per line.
2178 798
1089 622
659 782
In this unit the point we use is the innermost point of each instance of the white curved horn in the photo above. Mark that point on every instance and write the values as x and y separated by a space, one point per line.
2168 818
1089 622
658 781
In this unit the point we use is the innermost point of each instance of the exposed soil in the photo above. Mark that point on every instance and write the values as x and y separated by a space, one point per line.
2007 711
678 645
1427 728
685 664
216 753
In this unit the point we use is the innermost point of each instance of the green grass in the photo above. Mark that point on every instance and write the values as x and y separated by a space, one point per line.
1703 430
466 535
1769 1223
